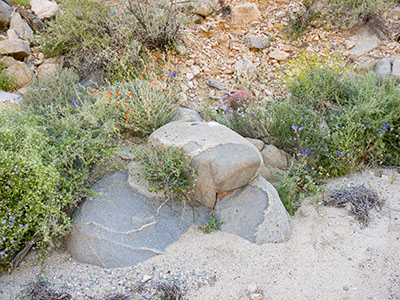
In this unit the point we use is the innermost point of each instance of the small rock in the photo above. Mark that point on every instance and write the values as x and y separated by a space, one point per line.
146 278
275 157
245 13
44 8
126 153
5 14
256 42
365 40
256 142
9 97
195 70
20 27
245 66
349 44
12 35
256 296
280 14
346 288
41 56
189 76
366 65
187 115
8 61
383 67
16 47
279 55
204 11
396 68
215 84
252 288
21 74
46 69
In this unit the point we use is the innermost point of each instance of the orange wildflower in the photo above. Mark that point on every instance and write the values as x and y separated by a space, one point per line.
110 93
120 75
118 94
126 101
134 120
129 94
126 116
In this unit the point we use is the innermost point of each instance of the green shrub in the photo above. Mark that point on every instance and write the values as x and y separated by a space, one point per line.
167 170
89 34
6 83
349 12
157 22
213 224
20 2
31 205
299 24
48 151
142 105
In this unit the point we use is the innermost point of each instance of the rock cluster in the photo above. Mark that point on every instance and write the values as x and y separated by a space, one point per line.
23 62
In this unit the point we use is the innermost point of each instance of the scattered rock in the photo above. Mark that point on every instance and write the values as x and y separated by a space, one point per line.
280 14
195 70
5 14
396 68
256 42
271 174
146 278
16 47
46 68
20 27
383 67
396 12
224 160
215 84
365 40
255 213
256 296
187 115
12 35
366 65
44 9
279 55
349 44
120 227
204 11
8 61
189 76
21 74
245 66
275 157
8 98
126 153
33 21
256 142
245 13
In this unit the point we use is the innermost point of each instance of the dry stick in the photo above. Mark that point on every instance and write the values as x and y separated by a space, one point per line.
21 255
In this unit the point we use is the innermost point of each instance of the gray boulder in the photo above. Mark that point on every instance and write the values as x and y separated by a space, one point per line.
383 67
44 8
396 69
365 40
20 27
256 42
120 227
16 48
5 14
223 159
255 213
256 142
187 115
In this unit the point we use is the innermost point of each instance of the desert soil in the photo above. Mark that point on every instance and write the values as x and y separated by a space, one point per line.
329 256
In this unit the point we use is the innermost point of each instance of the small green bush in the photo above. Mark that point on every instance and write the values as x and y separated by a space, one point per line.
349 12
213 224
89 34
167 170
20 2
157 23
6 83
142 105
47 153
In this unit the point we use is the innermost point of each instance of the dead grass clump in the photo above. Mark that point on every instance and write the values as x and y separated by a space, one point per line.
360 199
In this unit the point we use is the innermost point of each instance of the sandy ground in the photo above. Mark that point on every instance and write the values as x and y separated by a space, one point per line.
329 256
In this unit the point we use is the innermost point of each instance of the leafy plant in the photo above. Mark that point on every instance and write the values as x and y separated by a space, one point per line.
25 3
48 151
299 24
213 224
167 170
144 104
157 23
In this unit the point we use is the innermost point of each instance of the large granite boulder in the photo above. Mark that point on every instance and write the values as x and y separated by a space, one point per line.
20 73
255 213
120 227
223 159
5 14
